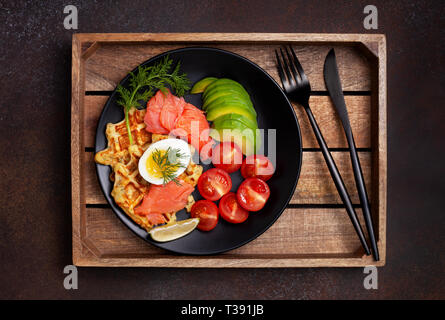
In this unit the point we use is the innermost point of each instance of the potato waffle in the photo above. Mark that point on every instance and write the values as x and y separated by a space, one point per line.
129 187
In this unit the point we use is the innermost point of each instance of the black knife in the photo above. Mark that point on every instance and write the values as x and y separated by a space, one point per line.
333 84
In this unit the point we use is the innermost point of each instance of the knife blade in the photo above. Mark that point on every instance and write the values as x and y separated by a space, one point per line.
333 84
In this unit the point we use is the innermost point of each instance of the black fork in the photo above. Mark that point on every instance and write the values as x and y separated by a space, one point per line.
298 89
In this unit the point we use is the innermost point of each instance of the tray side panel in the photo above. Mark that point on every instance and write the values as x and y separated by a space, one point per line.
76 146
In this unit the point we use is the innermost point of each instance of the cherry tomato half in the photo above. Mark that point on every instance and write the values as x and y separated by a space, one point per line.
207 212
257 166
230 210
227 156
252 194
214 183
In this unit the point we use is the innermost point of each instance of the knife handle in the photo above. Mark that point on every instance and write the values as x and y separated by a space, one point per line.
339 184
363 195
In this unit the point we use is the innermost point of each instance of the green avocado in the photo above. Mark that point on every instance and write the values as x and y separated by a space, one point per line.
217 94
219 122
202 84
233 116
224 81
209 92
247 138
230 100
230 108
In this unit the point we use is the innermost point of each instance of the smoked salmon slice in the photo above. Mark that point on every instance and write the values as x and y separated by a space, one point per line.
162 199
163 110
194 124
171 110
156 218
167 113
152 116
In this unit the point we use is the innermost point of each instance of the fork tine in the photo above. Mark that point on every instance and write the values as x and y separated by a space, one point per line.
298 65
280 69
286 69
291 66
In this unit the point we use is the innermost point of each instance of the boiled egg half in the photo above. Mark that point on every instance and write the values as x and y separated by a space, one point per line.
164 160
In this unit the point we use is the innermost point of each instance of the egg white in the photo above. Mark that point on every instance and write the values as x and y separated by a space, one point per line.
184 149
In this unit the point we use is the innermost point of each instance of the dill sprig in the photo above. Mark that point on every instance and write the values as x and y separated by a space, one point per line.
168 163
144 83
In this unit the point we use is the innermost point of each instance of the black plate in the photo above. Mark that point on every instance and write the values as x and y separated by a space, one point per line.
274 112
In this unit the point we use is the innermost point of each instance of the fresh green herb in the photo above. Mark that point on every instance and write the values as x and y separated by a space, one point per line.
145 81
168 163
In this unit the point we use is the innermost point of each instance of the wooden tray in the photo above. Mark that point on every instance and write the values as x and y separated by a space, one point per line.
314 231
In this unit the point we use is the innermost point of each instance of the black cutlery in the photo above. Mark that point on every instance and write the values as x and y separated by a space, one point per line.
297 88
333 84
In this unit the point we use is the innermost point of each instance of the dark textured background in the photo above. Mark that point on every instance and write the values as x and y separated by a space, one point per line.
35 227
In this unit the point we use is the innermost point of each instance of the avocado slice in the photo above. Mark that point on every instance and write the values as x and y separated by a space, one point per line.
202 84
230 100
217 94
240 124
219 122
225 87
246 138
224 81
230 108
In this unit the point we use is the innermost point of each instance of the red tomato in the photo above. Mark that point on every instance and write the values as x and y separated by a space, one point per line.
227 156
205 149
207 212
257 166
252 194
214 183
230 210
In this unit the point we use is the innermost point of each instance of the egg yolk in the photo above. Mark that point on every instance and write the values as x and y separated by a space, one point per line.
153 168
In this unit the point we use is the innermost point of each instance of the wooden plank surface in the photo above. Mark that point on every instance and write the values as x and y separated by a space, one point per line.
315 185
359 108
296 232
314 235
112 62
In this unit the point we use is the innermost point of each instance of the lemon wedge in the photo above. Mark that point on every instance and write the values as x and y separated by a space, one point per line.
174 231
